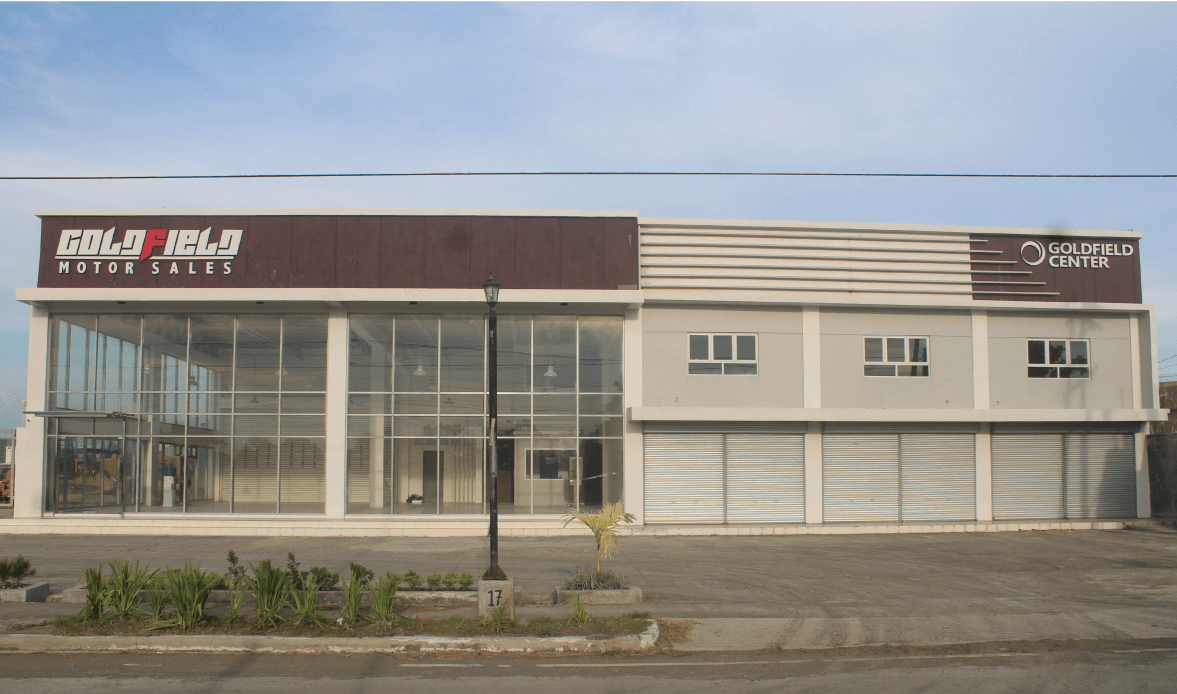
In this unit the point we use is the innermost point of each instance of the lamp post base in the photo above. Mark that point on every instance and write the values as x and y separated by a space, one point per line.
494 595
494 573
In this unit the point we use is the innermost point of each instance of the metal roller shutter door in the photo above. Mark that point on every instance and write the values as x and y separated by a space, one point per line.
860 477
1100 475
683 478
1027 476
765 478
938 476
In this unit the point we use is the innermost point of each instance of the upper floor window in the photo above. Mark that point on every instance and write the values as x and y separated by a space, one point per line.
1058 359
722 354
895 356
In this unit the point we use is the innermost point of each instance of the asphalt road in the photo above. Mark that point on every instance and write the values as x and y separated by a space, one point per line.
978 669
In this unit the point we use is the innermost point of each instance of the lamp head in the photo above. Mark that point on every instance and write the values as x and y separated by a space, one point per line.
491 287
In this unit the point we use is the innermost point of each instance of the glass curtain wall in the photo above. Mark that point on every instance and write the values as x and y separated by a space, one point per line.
416 406
225 413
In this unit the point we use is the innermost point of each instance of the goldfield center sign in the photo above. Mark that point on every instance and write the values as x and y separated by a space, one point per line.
1072 269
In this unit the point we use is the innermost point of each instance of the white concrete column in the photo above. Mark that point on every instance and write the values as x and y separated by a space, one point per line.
336 441
634 463
811 355
813 481
981 360
1143 495
984 473
30 483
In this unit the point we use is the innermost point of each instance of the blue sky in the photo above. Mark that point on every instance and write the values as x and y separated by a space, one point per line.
225 88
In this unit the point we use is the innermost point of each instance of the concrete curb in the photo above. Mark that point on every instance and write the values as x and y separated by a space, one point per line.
34 592
39 643
625 596
413 598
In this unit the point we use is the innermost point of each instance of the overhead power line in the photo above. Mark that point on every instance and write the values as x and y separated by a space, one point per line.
574 173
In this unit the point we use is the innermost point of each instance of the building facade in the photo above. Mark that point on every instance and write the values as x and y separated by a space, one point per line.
324 372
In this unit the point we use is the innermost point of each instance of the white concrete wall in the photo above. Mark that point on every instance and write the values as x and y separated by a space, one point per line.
29 478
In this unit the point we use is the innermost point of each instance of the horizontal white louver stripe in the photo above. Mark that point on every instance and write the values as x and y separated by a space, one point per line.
725 427
765 478
860 477
684 478
939 476
1100 475
1027 476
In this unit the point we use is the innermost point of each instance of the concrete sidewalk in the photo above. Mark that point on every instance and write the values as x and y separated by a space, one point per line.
761 591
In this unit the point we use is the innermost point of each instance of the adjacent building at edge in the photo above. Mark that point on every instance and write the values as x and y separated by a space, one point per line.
324 372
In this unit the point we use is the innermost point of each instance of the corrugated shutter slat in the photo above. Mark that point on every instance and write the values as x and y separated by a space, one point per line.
765 478
1101 475
939 476
684 478
1027 476
860 478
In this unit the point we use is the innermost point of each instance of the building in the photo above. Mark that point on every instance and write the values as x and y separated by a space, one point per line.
323 372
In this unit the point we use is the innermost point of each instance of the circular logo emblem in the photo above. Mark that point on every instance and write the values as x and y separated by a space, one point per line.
1038 253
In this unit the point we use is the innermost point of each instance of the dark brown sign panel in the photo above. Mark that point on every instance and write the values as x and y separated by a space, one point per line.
339 251
1056 268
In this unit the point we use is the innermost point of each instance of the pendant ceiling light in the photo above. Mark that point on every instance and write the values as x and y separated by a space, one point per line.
550 373
420 371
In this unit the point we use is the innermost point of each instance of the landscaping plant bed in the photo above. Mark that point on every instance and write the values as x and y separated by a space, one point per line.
328 625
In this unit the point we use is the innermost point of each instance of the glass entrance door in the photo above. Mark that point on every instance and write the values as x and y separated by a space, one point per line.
91 474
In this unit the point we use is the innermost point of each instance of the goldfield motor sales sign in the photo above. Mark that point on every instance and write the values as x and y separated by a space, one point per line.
152 251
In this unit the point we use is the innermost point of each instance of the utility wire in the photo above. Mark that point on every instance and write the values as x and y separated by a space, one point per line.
573 173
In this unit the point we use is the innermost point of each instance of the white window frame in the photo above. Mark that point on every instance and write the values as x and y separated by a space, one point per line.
907 362
1067 341
722 363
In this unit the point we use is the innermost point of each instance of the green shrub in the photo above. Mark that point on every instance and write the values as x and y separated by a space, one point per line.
97 594
384 600
157 595
324 578
449 580
188 589
587 579
466 581
304 602
13 572
125 582
434 581
353 592
271 588
360 573
580 616
234 581
413 579
498 619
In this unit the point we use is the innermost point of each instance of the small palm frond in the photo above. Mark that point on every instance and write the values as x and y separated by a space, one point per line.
604 525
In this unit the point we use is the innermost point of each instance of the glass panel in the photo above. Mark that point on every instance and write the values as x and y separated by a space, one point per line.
873 370
1074 372
740 369
370 425
873 348
554 426
165 344
913 370
918 349
555 354
416 354
1058 352
514 491
460 426
415 404
303 479
90 472
420 470
601 426
514 354
1036 351
600 354
369 475
462 353
1078 352
721 347
550 469
415 426
303 425
373 404
895 349
600 404
555 404
746 347
161 475
210 403
369 354
704 368
601 472
699 345
207 474
255 402
255 425
1042 372
460 479
256 363
304 353
117 354
255 475
514 425
462 404
304 403
211 353
209 425
514 404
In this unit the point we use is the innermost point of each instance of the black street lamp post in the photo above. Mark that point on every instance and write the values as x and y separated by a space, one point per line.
491 287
